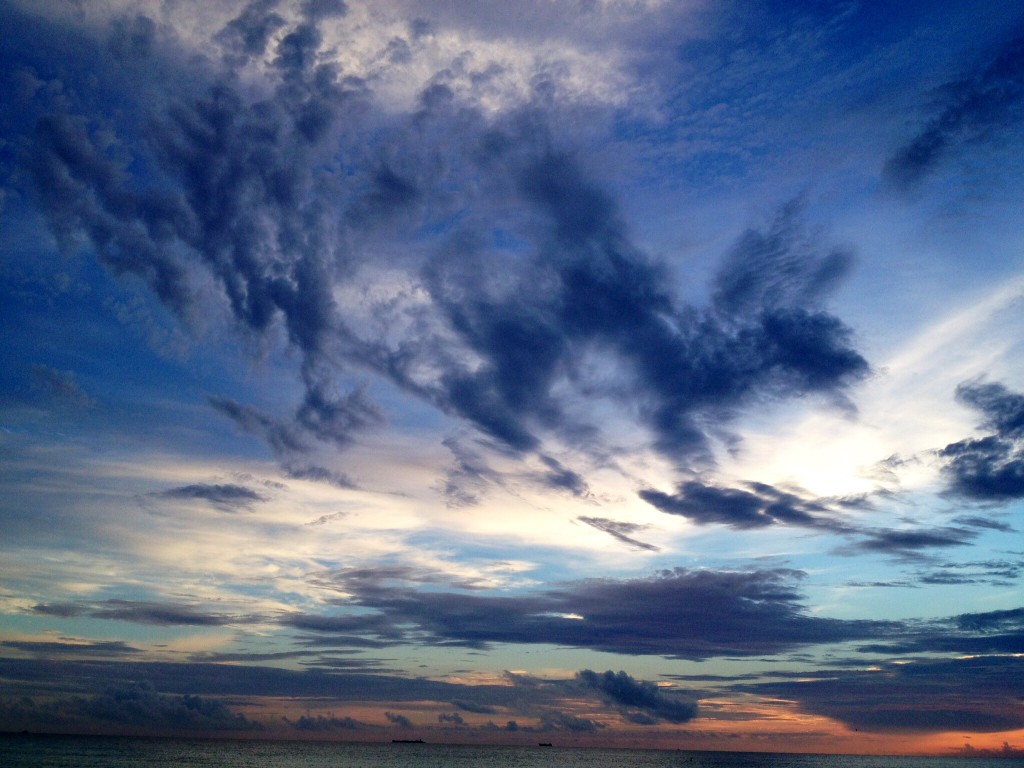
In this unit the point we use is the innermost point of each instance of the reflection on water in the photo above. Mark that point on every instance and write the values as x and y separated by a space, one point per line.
111 752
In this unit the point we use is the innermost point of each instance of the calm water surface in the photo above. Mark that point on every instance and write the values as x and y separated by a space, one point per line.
104 752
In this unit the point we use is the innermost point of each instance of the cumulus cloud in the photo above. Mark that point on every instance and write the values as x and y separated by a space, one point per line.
160 613
911 544
634 695
137 706
328 723
398 719
80 649
989 468
166 613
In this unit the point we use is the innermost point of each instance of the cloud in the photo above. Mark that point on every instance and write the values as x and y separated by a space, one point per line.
597 292
1006 751
976 108
680 613
242 214
137 706
160 613
989 468
784 266
631 695
761 506
620 530
470 706
398 719
561 478
980 694
60 385
226 496
63 610
290 441
141 706
328 723
565 721
992 632
78 649
248 34
986 523
1001 573
909 544
233 680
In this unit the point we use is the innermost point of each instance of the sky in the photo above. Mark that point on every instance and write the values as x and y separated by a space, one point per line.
597 372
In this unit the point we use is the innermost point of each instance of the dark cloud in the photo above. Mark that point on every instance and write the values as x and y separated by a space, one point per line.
561 478
87 194
783 266
621 531
222 495
328 723
159 613
453 718
320 475
136 706
323 9
992 620
1002 573
54 648
284 439
564 721
1006 751
980 694
398 719
593 291
232 200
63 610
758 506
631 694
88 677
679 613
469 476
334 419
248 34
132 38
911 544
989 468
975 108
470 706
140 706
291 441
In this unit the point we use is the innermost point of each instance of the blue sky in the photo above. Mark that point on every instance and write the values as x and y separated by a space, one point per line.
624 372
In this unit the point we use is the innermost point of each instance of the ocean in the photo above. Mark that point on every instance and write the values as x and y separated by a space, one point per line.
116 752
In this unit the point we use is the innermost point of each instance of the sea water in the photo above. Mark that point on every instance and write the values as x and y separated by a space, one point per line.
114 752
